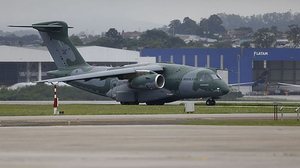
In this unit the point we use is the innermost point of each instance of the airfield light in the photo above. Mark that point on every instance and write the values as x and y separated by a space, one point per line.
297 111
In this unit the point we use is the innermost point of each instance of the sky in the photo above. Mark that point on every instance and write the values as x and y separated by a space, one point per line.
96 16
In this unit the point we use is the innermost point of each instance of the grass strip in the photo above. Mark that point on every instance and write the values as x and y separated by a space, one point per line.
86 109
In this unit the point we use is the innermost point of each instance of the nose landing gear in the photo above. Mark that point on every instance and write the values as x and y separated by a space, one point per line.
210 102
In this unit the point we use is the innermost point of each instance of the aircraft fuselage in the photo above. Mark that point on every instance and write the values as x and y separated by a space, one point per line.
181 82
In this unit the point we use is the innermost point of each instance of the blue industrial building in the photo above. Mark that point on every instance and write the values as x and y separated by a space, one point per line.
282 63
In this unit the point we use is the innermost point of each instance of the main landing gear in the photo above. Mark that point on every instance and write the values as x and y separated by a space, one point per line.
210 102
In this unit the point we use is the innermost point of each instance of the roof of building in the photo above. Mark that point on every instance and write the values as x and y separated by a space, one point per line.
89 53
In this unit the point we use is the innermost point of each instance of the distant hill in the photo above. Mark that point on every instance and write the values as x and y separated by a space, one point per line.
19 33
280 20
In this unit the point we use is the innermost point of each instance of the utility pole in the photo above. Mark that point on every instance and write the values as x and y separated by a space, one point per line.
239 67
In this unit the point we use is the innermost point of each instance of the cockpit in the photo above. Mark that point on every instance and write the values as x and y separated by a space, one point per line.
208 77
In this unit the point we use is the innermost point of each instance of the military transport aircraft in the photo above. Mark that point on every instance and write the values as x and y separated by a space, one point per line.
153 84
274 87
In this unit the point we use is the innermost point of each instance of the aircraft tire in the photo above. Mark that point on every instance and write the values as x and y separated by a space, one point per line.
210 102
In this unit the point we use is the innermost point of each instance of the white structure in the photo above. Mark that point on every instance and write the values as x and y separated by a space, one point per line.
19 64
223 74
89 53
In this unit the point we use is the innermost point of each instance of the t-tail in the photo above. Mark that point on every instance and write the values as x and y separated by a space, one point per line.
262 79
55 37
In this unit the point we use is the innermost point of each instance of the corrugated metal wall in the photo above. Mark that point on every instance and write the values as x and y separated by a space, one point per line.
234 60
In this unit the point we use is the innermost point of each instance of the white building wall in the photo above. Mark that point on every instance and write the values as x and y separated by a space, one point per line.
146 60
223 74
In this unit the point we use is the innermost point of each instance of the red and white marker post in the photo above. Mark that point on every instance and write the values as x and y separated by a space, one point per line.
55 102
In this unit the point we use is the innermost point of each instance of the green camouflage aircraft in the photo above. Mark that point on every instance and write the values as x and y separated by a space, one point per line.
153 84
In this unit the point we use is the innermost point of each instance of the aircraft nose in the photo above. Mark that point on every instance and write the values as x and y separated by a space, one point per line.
225 89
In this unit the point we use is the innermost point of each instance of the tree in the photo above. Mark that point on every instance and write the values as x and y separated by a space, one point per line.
112 38
76 40
153 39
159 39
175 42
113 34
280 20
294 34
215 24
131 44
204 28
264 38
174 27
211 27
189 26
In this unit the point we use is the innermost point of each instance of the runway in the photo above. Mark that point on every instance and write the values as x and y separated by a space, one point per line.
150 146
154 119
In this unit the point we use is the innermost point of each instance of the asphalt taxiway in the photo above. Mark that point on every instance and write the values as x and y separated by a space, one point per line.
150 146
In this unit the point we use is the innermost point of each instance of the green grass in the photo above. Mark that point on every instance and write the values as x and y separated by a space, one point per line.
249 122
28 110
86 109
34 110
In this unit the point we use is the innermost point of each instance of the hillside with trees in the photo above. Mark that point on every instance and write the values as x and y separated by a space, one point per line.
280 20
217 31
211 27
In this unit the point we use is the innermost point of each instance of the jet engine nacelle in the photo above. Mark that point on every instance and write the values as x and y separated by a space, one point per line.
148 81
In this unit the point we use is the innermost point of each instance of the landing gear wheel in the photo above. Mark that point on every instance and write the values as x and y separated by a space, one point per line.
210 102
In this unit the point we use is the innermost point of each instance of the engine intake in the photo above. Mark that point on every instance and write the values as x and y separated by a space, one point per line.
148 81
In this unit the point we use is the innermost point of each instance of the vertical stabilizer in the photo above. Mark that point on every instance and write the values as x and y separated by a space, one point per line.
63 52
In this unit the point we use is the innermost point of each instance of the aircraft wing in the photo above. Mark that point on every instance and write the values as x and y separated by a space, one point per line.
288 84
121 73
241 84
289 87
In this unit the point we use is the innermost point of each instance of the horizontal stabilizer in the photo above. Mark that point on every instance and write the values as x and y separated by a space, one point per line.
19 26
288 84
40 26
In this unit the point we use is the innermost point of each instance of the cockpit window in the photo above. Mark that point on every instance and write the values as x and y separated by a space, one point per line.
205 77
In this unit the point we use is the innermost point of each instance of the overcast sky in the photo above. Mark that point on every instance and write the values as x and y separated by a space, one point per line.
97 16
